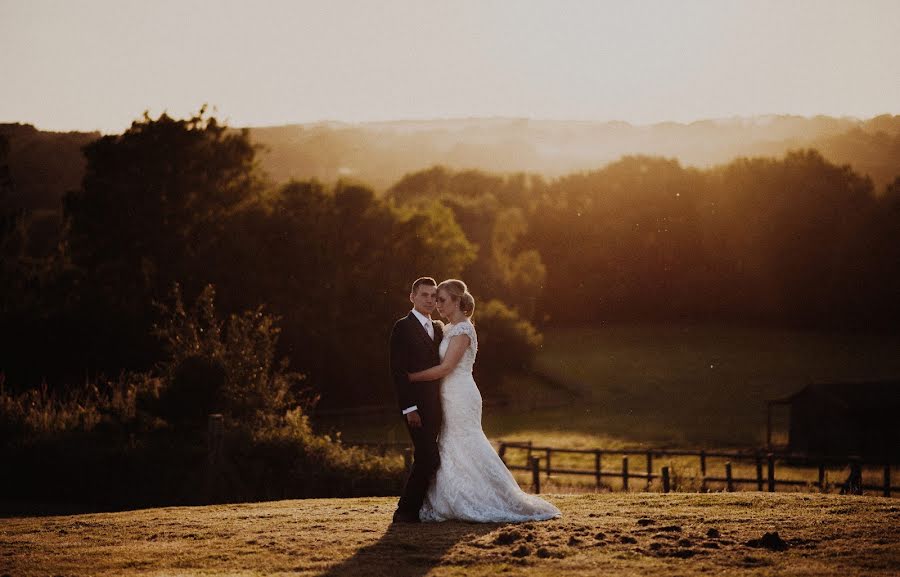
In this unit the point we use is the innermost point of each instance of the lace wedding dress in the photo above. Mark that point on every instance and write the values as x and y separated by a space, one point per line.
472 483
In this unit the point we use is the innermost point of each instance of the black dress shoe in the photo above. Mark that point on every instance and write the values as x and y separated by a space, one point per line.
404 517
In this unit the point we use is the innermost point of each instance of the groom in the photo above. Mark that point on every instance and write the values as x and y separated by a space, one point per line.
414 347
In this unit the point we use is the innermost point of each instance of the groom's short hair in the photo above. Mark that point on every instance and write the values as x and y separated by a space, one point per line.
426 280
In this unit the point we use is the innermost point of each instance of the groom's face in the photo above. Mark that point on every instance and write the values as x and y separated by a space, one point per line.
423 299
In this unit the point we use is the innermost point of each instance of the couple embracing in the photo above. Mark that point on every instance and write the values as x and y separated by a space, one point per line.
456 473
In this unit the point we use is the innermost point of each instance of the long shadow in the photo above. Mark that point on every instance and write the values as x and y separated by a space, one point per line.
409 550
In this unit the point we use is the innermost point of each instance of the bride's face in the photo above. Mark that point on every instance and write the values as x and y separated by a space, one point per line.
446 306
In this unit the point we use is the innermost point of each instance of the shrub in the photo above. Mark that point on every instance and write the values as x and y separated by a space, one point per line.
506 343
103 405
224 367
279 459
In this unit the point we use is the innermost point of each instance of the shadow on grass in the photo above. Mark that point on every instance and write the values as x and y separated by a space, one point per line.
409 549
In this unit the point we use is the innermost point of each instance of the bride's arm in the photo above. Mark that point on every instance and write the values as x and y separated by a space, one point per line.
455 350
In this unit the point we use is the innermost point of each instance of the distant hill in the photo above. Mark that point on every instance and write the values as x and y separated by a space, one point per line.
44 165
381 153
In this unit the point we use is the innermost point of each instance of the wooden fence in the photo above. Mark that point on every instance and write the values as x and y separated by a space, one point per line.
540 460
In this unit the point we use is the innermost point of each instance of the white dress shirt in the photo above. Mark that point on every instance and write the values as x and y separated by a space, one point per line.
429 328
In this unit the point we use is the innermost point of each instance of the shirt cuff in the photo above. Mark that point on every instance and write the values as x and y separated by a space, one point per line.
410 409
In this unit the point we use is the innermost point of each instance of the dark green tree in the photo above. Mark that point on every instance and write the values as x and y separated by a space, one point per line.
151 198
335 264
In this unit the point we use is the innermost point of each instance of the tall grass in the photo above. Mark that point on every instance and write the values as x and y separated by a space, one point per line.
104 404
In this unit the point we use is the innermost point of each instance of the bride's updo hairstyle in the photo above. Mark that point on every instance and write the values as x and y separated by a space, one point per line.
459 292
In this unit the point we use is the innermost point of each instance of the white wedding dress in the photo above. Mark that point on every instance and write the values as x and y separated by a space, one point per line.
472 483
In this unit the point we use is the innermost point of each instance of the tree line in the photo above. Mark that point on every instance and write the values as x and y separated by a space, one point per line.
793 241
181 205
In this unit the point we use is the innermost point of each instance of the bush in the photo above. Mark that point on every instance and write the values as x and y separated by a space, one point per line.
222 367
506 343
287 459
195 391
105 405
103 446
281 459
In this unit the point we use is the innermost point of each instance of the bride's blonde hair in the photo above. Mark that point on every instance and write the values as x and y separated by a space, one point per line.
459 292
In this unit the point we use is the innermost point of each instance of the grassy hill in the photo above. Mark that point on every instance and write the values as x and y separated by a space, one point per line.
609 534
699 384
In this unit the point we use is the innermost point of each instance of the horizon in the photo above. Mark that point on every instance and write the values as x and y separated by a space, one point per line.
103 63
723 121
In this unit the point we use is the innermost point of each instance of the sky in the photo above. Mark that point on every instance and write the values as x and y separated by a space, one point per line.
99 64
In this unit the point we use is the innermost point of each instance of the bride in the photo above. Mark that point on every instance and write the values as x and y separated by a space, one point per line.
472 483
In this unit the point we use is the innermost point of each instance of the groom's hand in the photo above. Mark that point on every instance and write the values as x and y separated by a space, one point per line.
414 420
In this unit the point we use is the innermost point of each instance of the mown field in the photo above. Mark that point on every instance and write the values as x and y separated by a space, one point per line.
616 534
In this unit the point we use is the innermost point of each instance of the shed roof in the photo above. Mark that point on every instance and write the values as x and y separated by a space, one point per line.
879 395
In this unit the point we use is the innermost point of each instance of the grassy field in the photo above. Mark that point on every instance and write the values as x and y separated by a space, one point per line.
701 384
621 534
627 385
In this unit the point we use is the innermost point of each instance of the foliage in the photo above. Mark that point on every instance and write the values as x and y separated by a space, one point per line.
335 265
217 366
789 241
276 458
493 212
794 241
506 343
42 412
288 456
152 197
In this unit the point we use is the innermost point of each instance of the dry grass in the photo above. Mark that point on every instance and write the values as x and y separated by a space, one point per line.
610 534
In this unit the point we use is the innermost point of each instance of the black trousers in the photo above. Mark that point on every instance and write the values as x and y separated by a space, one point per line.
426 461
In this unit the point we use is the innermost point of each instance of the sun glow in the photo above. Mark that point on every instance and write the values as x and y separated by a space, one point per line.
98 64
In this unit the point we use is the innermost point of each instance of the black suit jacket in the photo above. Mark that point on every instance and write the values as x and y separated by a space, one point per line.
412 350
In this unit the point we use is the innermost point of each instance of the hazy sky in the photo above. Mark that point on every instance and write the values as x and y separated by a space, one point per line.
98 64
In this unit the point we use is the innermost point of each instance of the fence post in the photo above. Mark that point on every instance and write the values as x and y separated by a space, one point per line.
702 470
536 474
625 473
665 479
856 473
729 484
407 458
501 452
771 463
215 427
759 475
597 466
215 458
887 480
548 461
649 469
822 477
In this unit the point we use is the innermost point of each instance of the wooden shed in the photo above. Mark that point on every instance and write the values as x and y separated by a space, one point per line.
840 419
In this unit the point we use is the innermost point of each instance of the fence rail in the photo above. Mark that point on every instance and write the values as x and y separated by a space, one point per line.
766 461
538 460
